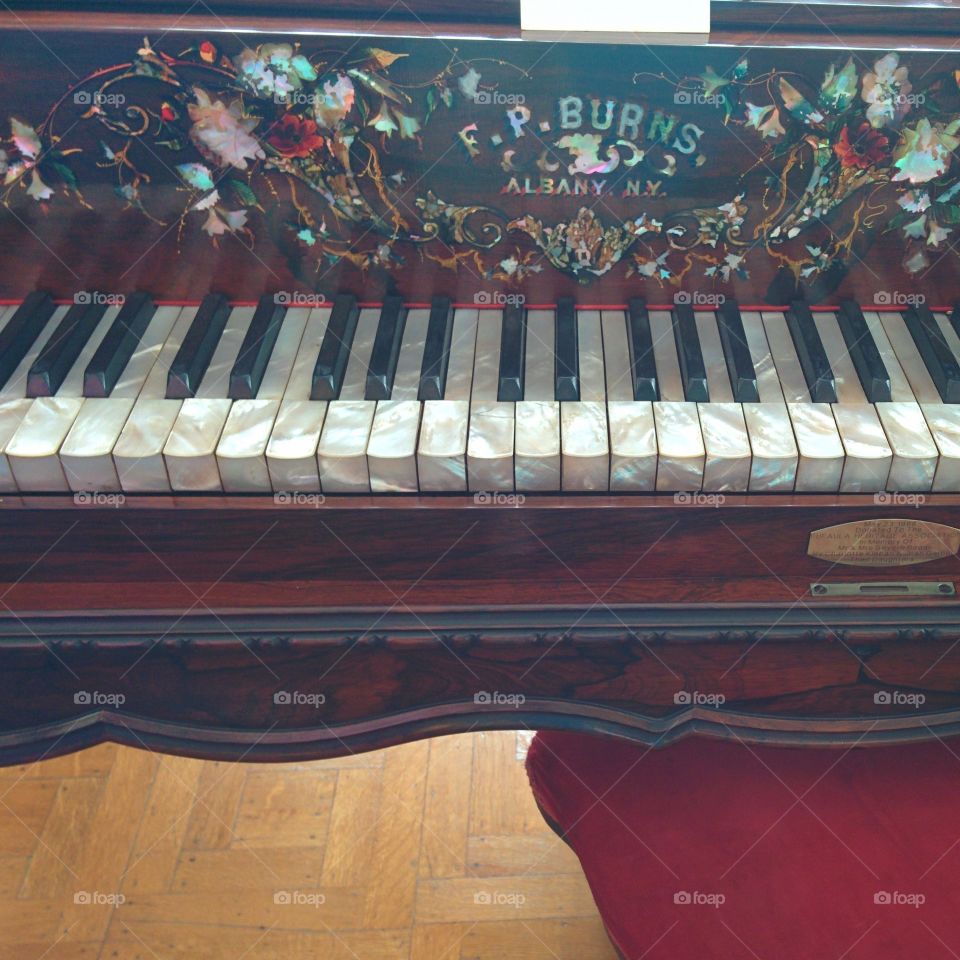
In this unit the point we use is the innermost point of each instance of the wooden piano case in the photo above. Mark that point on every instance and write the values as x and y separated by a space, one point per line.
303 626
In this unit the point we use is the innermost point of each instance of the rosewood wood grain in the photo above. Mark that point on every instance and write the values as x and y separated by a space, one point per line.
417 616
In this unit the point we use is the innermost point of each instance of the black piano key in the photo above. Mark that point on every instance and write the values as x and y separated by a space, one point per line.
693 371
335 348
115 350
196 351
60 352
955 319
567 352
643 369
864 352
736 351
248 369
513 343
22 330
813 358
382 367
436 350
937 356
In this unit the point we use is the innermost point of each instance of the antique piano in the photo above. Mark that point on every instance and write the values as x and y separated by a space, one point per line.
368 374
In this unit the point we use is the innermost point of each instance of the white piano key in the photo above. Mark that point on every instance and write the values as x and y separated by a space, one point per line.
789 372
138 452
342 450
392 447
633 436
593 384
680 447
633 445
768 383
34 449
406 382
584 425
867 454
292 450
914 463
714 361
773 468
665 357
537 463
616 356
242 450
772 443
190 452
727 459
490 441
820 451
537 417
444 427
586 445
944 425
12 413
87 451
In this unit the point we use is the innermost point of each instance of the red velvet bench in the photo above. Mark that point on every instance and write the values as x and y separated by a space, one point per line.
712 849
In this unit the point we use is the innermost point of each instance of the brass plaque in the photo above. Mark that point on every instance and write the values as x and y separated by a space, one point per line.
884 543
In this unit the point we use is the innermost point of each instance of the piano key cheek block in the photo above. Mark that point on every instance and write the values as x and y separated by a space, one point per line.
352 398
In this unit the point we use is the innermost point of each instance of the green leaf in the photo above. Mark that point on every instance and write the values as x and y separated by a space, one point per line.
839 89
303 68
243 192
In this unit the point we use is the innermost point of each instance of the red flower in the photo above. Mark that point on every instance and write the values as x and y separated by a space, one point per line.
294 137
868 147
167 112
208 52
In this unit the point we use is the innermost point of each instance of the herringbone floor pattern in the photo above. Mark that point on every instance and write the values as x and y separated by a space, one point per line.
429 851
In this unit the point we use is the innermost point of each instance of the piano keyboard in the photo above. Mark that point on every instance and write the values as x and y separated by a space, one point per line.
341 399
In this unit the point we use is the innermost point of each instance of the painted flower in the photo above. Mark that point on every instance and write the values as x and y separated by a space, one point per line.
886 90
274 70
924 151
865 149
222 133
295 137
335 101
